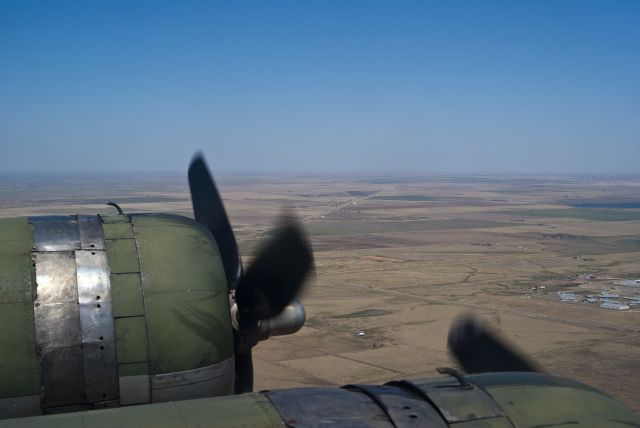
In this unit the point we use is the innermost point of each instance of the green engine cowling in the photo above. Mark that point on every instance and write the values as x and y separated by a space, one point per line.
110 310
490 400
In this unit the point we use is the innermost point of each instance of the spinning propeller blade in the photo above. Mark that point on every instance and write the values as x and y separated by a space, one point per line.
208 210
272 281
480 351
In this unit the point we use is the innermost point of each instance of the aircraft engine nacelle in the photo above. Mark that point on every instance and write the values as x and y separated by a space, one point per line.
490 400
108 310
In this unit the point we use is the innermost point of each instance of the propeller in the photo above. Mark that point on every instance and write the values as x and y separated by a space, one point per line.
479 351
275 277
269 285
209 210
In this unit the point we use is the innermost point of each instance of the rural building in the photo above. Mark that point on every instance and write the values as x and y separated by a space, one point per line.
605 295
614 305
566 297
629 282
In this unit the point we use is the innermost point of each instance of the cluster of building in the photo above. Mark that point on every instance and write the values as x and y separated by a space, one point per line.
607 300
629 282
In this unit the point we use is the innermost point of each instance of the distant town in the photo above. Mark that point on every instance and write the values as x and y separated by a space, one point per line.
606 299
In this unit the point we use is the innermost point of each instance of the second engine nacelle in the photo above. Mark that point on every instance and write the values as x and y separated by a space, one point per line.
108 310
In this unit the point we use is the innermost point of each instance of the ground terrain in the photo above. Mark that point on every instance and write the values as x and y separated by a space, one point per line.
400 257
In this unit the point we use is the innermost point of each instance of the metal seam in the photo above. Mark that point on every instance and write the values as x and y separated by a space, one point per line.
193 376
144 301
96 313
72 274
56 310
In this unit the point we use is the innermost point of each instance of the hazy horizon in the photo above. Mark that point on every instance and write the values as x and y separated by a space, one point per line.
328 174
463 88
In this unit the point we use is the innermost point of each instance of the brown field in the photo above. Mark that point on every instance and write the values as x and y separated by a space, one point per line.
399 258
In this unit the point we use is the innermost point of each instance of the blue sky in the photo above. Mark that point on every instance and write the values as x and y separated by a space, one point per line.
321 86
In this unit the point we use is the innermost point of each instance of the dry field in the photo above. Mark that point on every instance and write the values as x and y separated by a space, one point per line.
399 258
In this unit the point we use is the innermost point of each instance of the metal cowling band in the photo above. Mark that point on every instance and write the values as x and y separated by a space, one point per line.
213 380
73 312
216 379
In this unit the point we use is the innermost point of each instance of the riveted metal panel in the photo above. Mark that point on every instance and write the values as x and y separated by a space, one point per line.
55 277
58 337
96 321
90 229
318 407
73 314
63 380
96 315
56 313
455 402
92 277
57 325
213 380
55 233
100 372
402 406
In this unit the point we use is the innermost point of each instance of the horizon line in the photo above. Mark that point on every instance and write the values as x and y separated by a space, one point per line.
387 173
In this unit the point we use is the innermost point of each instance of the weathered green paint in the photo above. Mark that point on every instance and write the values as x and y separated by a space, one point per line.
131 340
118 230
486 380
114 218
459 404
185 294
529 406
16 273
126 294
499 422
133 369
526 397
19 364
250 410
122 255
